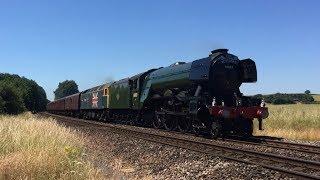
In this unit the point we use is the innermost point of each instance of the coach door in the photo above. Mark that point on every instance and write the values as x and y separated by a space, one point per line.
106 96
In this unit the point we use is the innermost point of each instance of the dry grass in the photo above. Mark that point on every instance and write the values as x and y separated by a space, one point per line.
37 148
298 121
316 98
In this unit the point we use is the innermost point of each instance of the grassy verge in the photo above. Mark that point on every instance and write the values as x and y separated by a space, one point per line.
297 121
38 148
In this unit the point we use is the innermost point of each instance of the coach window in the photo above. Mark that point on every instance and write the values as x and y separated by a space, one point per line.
106 92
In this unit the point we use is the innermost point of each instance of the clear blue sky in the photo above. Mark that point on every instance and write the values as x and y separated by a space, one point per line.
94 41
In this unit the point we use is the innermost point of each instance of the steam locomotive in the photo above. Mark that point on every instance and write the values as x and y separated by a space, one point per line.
202 96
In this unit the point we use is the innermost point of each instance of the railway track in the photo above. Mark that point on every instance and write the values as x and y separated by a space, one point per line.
296 167
304 148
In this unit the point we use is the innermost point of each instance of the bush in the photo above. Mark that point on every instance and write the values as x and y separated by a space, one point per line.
282 101
12 102
307 98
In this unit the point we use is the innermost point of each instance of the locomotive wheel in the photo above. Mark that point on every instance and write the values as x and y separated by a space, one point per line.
157 121
103 117
86 116
184 125
194 125
214 129
131 120
244 127
168 123
248 127
195 130
147 118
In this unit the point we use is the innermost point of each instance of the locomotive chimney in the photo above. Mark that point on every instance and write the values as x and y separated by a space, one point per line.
224 51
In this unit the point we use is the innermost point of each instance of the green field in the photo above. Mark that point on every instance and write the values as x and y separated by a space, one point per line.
295 121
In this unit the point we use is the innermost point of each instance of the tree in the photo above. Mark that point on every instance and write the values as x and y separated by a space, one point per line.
307 92
11 101
33 96
2 103
66 88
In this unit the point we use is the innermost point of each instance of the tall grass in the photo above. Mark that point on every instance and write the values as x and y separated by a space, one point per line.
316 97
38 148
297 121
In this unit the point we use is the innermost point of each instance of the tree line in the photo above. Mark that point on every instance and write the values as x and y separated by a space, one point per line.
280 98
19 94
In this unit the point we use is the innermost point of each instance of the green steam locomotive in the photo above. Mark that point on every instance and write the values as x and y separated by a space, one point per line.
201 96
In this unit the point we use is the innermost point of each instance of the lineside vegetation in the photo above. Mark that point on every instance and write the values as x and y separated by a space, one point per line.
294 121
38 148
19 94
316 98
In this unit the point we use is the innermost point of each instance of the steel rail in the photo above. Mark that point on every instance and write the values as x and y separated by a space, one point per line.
305 148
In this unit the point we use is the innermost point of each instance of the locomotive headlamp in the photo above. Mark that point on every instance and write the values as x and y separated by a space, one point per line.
214 101
238 100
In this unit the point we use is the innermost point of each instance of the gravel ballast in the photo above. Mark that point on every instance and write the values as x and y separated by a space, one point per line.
124 156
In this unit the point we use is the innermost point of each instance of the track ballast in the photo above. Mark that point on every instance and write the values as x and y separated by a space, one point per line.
296 167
